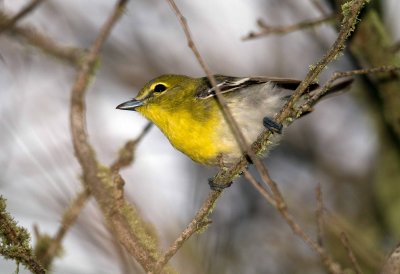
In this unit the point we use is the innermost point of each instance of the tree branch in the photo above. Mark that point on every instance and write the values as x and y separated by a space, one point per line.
68 219
46 44
25 11
106 186
306 24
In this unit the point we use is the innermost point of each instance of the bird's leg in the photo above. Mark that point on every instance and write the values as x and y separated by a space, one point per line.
272 125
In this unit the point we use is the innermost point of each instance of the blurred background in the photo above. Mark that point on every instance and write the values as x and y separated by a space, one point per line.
348 144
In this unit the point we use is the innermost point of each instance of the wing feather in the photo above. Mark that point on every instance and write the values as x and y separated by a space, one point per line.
228 84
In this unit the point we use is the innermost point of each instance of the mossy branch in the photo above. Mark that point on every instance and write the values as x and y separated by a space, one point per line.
15 242
107 186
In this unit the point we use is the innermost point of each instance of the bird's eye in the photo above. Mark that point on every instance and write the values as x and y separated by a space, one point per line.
159 88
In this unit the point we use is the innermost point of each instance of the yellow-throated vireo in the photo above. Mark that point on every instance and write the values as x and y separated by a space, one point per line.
188 113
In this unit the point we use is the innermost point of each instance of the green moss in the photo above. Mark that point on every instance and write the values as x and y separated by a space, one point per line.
15 241
346 8
145 232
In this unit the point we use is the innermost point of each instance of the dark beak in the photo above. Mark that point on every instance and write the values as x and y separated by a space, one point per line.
130 105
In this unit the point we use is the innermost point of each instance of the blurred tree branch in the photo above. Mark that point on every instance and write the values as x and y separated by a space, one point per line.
37 39
279 30
46 248
8 24
372 46
345 241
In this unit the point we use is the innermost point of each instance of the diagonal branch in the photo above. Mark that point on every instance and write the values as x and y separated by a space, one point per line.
68 219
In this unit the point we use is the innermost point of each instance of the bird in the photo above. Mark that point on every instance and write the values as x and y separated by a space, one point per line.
186 110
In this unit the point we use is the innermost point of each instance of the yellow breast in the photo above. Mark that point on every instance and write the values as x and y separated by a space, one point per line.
193 133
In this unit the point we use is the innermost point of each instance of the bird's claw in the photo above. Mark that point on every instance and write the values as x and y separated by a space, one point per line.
217 187
272 125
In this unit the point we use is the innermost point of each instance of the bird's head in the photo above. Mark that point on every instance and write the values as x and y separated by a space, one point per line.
163 92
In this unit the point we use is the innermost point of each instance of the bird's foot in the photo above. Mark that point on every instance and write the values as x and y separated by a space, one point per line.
272 125
217 187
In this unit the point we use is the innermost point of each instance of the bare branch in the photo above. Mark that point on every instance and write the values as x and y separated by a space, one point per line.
343 74
317 4
25 11
68 219
350 253
197 223
279 30
332 266
319 215
46 44
126 153
268 196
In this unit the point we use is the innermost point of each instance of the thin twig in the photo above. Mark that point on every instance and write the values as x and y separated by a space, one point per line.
68 219
259 187
319 215
317 4
279 30
369 254
350 253
126 153
199 221
21 14
343 74
332 266
43 42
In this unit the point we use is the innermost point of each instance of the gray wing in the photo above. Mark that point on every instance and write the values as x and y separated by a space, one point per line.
229 83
